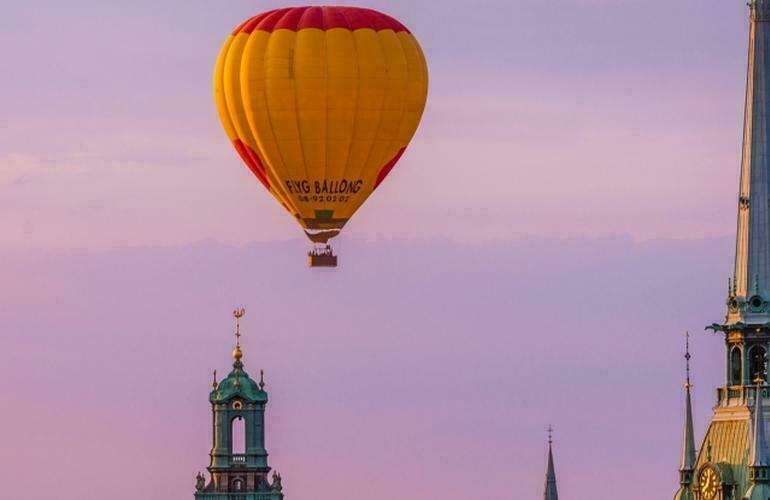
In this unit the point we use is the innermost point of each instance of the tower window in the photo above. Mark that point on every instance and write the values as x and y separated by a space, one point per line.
757 360
238 484
735 366
238 436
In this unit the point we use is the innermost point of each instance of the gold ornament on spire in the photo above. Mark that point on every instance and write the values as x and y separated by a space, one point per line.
238 314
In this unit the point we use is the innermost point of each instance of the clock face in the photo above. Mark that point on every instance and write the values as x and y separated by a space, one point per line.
708 483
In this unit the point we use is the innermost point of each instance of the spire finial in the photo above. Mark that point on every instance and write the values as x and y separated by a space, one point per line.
550 435
215 384
687 358
238 314
261 380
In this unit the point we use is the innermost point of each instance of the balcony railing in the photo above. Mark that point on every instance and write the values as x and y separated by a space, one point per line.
738 395
238 460
239 496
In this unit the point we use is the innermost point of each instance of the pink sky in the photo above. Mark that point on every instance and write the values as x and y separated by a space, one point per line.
586 117
565 212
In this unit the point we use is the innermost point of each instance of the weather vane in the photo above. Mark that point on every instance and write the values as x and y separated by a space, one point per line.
238 314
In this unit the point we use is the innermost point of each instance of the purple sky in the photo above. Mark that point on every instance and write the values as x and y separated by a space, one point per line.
566 211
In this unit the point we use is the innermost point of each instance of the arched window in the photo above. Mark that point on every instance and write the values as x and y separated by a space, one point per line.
757 363
238 435
735 366
238 484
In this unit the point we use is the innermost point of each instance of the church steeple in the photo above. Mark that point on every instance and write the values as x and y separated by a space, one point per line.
687 466
723 468
750 288
747 325
238 469
551 492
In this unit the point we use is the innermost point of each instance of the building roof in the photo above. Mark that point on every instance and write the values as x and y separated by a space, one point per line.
727 443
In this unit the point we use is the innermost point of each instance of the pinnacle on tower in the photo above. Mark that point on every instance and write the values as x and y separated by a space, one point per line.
759 461
687 467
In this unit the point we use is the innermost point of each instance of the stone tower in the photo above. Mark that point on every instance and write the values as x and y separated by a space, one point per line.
729 464
238 471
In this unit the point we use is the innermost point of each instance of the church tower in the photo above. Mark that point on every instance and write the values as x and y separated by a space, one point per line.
730 464
238 469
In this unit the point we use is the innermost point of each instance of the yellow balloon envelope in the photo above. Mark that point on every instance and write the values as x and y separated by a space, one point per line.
320 103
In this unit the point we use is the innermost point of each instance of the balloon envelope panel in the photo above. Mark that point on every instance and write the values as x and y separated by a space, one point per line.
320 103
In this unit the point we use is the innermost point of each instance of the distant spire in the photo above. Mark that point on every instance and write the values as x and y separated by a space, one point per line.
550 477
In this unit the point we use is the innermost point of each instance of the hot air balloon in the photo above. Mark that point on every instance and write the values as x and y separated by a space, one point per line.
321 103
